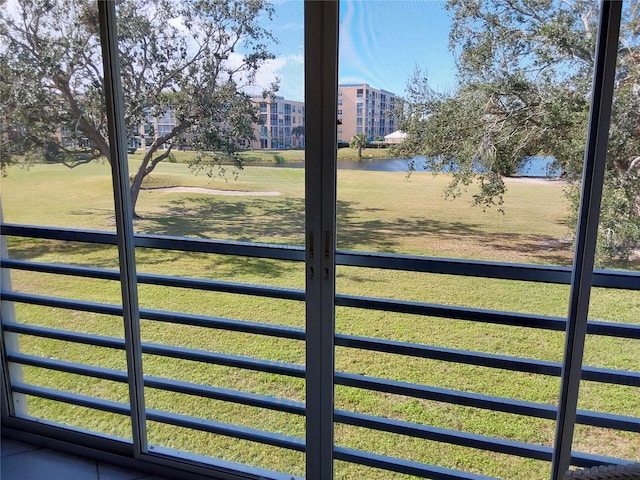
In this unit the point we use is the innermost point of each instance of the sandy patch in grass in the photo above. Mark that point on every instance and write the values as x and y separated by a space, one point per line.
535 180
212 191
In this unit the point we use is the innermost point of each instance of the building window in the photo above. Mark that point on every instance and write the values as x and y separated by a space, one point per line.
359 93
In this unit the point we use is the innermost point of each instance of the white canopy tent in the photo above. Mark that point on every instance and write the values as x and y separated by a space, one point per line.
395 137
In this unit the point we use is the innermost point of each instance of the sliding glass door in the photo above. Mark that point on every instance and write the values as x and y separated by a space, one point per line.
253 240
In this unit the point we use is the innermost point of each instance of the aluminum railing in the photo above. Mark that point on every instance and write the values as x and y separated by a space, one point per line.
531 273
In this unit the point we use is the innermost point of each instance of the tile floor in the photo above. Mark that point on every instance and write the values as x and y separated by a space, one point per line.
21 461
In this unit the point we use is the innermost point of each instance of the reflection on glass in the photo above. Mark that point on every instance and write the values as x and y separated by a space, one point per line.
214 107
617 249
462 136
215 112
55 149
458 146
54 154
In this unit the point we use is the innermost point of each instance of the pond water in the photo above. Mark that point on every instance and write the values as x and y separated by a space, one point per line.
532 167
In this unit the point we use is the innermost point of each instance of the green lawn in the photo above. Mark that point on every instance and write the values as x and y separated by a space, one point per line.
377 211
266 157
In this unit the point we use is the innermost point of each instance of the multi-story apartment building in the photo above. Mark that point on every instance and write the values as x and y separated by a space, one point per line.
282 123
156 126
364 109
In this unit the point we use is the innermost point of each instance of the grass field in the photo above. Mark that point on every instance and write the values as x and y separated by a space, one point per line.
267 157
377 211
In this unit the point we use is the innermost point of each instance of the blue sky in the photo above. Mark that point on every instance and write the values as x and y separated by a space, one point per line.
381 43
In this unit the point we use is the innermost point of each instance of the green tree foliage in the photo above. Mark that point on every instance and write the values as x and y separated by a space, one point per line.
358 142
188 57
524 80
298 132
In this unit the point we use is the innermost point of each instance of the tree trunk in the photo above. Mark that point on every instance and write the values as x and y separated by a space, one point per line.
146 167
136 184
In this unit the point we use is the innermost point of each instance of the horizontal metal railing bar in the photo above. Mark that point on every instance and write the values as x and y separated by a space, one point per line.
485 269
65 335
436 394
170 351
455 266
611 329
608 420
68 367
57 302
588 460
72 398
609 375
471 268
443 435
254 400
235 396
280 331
458 313
399 306
377 384
482 359
236 361
486 402
163 280
223 247
228 430
221 286
459 356
452 312
158 315
59 233
400 465
468 357
61 269
211 426
578 459
497 317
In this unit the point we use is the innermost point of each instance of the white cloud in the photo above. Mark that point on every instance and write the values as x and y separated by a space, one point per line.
287 69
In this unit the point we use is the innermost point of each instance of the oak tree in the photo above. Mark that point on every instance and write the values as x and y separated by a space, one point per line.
525 71
187 59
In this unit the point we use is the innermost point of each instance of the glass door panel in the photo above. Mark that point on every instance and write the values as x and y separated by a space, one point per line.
617 255
56 175
214 106
458 144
